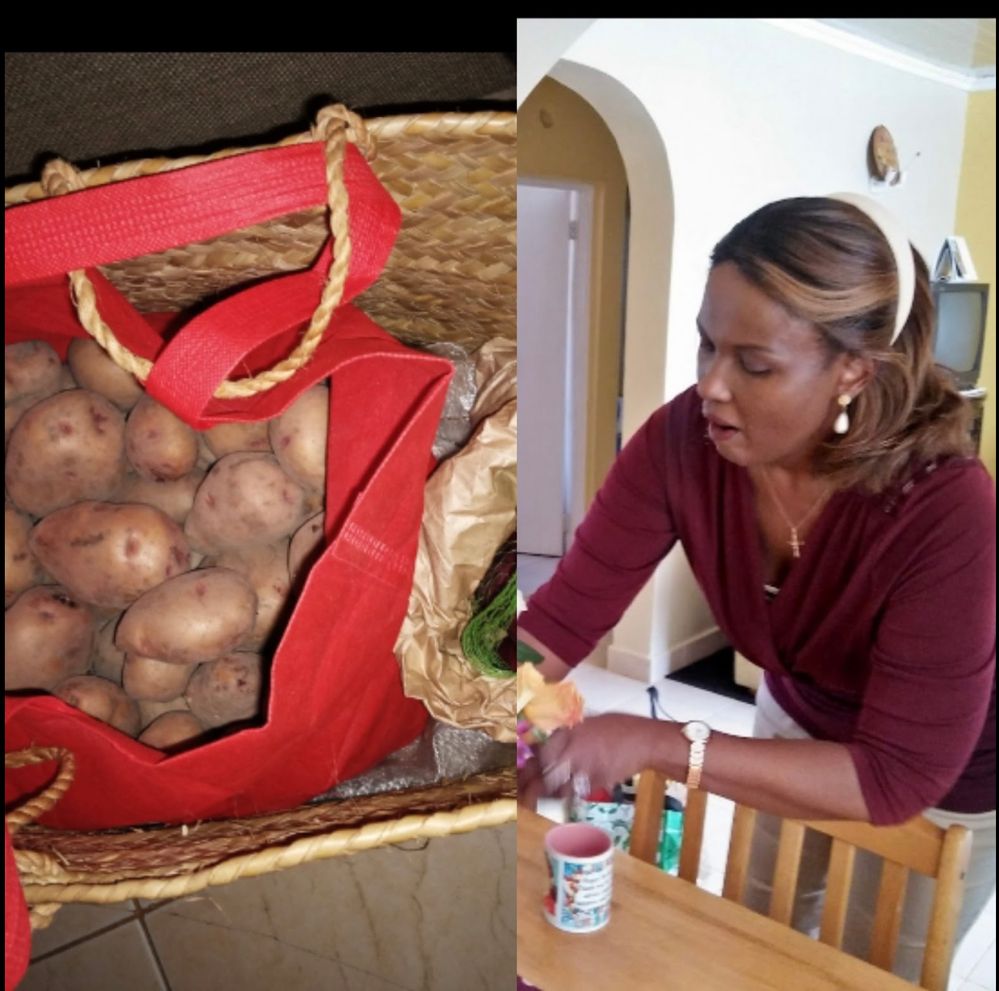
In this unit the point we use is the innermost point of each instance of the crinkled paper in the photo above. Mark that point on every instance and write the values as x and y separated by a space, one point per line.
470 510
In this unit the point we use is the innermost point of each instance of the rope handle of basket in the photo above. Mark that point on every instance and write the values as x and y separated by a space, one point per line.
41 803
335 126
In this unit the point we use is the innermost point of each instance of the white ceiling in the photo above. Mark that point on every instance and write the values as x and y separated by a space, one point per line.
962 46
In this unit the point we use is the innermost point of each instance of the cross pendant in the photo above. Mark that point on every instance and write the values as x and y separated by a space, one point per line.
795 543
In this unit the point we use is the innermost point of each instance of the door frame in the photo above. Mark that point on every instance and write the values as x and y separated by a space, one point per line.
577 349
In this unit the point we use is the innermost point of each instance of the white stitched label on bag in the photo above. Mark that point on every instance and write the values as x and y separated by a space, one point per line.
362 549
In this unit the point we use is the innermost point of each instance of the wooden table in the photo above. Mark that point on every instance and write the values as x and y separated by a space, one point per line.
669 934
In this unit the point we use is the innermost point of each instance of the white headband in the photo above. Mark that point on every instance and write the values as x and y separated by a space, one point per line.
893 233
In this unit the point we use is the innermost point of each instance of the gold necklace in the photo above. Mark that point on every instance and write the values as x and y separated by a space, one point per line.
795 542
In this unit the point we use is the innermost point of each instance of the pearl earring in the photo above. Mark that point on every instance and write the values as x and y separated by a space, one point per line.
842 422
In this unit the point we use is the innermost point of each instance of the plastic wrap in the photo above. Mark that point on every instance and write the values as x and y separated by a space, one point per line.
440 753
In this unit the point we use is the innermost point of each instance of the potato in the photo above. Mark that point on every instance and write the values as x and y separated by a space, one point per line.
66 380
20 569
108 554
94 370
47 637
126 715
174 496
230 438
226 690
148 711
159 444
147 679
14 411
94 696
106 660
245 499
306 545
205 456
298 437
315 502
64 449
30 368
170 730
102 699
194 617
266 568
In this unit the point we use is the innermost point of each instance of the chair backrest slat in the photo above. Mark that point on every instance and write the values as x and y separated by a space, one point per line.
917 845
647 824
888 914
954 858
693 834
838 882
792 836
739 846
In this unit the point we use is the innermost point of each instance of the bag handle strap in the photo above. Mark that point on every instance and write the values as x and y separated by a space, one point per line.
337 128
41 803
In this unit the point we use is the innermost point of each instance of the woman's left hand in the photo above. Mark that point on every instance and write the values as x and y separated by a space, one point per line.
598 753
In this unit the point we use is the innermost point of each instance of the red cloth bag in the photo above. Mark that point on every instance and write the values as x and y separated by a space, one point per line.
16 928
335 704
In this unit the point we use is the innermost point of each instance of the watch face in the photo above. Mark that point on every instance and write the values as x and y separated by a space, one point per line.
696 731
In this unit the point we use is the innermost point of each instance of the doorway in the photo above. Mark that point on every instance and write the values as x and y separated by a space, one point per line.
554 231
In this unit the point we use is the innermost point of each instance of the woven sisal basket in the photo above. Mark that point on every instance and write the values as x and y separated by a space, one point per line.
451 276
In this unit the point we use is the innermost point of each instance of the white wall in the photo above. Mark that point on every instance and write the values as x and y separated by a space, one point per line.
732 114
540 42
749 113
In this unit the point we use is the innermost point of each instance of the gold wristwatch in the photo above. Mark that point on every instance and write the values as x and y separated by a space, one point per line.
698 734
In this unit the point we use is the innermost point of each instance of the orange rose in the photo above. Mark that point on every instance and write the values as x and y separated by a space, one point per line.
552 706
529 681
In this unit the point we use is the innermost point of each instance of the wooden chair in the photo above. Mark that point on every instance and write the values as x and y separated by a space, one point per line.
917 845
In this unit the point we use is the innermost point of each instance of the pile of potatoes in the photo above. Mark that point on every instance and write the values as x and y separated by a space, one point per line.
149 568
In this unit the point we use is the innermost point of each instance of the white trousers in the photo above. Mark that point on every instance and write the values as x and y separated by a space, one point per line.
773 723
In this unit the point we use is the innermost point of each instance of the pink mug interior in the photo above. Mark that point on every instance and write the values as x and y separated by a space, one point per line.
578 840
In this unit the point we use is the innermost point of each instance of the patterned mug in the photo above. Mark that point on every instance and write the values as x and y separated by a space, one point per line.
580 873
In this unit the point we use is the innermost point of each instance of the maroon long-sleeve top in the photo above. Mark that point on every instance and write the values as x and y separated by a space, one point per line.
882 636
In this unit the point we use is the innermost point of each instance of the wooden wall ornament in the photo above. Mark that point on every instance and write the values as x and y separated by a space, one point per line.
882 156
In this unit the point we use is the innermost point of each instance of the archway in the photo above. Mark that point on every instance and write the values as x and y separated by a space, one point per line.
642 646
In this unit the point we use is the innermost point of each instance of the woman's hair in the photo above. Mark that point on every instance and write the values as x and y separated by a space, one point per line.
825 261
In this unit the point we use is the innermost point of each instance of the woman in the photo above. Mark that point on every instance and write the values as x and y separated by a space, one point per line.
820 483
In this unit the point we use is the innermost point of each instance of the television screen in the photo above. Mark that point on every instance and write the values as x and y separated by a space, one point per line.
960 328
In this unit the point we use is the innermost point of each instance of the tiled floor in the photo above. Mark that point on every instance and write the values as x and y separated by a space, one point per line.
974 967
439 915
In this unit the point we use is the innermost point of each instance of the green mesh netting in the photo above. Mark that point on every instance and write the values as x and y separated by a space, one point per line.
488 628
